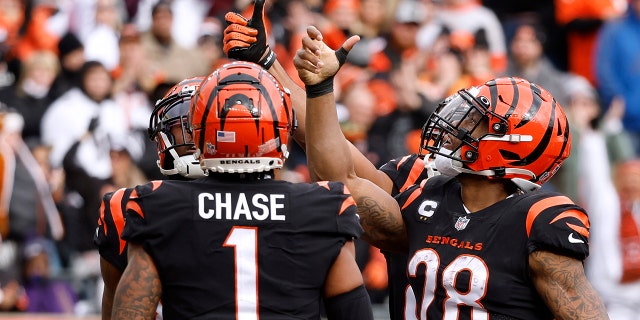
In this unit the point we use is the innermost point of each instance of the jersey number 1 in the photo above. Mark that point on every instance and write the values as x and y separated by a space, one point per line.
244 240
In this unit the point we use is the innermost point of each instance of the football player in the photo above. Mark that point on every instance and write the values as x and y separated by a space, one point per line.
484 242
239 244
246 39
168 127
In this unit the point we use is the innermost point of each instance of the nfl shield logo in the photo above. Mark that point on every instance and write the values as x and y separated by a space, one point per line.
461 223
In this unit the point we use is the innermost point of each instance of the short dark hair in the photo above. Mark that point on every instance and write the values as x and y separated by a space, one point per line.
161 5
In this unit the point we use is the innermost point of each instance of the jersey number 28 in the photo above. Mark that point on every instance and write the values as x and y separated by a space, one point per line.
479 276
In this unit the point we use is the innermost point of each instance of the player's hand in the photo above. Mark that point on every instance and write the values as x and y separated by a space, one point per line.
316 61
244 39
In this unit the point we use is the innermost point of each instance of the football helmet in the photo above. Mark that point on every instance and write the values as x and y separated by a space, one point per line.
241 119
169 128
506 128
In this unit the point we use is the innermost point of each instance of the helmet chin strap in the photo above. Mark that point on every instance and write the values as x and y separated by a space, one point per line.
522 184
456 167
185 166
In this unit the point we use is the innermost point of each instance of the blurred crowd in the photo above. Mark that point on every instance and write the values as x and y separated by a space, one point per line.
79 78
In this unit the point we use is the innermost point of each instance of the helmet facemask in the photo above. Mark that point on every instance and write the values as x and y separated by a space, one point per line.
452 133
169 128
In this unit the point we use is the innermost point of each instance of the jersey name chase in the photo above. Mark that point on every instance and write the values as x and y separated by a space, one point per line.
237 206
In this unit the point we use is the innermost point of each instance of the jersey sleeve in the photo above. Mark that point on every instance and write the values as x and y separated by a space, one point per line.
138 228
348 220
332 209
405 172
110 226
554 223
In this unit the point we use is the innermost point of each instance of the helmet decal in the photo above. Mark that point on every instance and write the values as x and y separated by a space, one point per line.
243 101
525 135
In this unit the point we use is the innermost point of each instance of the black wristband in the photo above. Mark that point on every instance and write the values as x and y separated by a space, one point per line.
341 55
268 61
320 89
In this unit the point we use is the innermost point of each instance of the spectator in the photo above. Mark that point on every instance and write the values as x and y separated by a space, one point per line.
527 60
46 293
590 129
618 75
164 53
82 146
374 18
30 96
187 16
31 211
101 38
389 134
71 55
26 208
24 25
614 264
581 21
402 39
471 16
473 51
13 297
134 72
343 14
124 157
210 43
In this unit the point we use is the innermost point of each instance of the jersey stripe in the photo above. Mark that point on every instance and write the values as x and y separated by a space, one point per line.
101 218
540 206
414 174
415 194
115 205
578 215
324 184
348 202
134 206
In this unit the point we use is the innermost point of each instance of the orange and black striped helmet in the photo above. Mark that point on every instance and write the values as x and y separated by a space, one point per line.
241 118
169 128
506 128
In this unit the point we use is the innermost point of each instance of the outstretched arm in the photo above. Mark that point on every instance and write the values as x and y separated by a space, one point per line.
246 40
328 152
561 282
139 292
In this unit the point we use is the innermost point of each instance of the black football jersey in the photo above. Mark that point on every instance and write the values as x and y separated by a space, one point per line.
470 266
110 225
228 251
404 172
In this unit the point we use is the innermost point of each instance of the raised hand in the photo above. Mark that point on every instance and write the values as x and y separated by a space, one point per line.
247 39
317 62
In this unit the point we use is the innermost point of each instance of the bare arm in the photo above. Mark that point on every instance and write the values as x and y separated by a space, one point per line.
561 282
110 275
329 154
139 292
345 296
344 274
